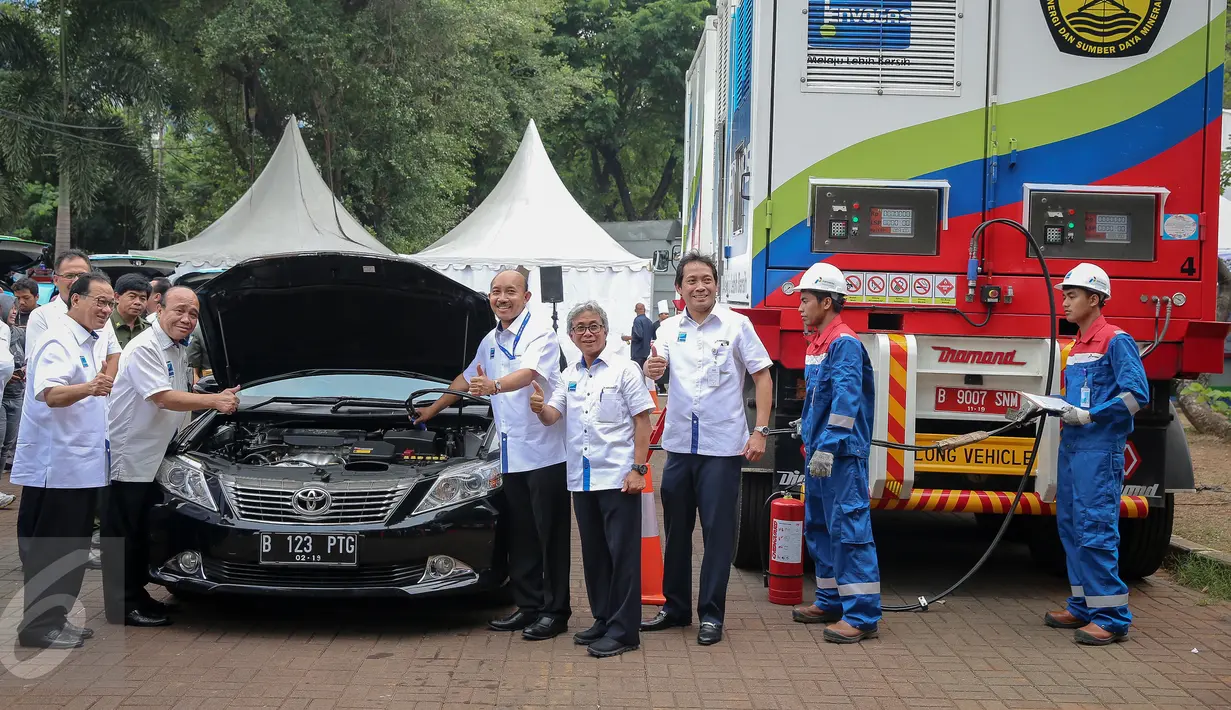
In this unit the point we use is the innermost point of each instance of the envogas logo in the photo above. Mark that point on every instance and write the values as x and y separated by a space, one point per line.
1105 28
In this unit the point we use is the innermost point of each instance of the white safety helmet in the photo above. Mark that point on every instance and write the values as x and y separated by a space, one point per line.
1089 277
823 276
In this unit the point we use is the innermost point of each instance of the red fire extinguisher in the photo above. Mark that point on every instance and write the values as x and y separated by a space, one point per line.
786 564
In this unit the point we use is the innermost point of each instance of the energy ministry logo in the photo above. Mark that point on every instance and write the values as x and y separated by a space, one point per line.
1105 28
859 24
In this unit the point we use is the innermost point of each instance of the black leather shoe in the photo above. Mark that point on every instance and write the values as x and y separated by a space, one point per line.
136 617
590 635
56 638
516 621
608 647
85 633
709 634
662 621
545 628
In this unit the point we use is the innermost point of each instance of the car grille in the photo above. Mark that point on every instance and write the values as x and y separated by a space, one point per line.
364 576
263 500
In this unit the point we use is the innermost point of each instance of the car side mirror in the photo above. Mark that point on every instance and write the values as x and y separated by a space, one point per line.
207 385
661 261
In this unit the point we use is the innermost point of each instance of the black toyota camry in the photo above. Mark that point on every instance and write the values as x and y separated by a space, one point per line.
320 484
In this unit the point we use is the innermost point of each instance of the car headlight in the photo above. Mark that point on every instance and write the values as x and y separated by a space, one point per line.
461 483
184 478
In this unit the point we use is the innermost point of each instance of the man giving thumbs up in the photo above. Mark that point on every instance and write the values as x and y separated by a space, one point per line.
522 350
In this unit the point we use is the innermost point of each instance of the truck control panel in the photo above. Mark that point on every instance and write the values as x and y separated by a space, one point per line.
875 220
1094 226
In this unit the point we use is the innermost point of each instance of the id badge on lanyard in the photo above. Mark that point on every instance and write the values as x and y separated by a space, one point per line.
1085 392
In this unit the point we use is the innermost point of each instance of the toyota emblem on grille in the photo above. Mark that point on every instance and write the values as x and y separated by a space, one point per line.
311 501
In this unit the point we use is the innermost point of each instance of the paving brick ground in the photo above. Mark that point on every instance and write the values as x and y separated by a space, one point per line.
985 648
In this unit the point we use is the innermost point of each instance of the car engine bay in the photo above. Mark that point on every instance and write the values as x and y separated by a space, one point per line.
357 448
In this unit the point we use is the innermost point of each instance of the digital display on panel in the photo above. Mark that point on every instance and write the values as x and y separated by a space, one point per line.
1102 227
891 222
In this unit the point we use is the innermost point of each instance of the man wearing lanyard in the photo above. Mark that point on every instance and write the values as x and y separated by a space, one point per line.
149 403
606 408
1105 385
708 349
62 461
521 350
836 428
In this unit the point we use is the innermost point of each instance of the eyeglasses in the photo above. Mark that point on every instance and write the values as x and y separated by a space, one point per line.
73 276
104 302
591 328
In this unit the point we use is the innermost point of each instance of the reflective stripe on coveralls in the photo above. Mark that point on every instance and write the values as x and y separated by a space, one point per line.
837 418
1103 375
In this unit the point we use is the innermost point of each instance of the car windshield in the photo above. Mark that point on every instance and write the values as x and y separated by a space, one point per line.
356 385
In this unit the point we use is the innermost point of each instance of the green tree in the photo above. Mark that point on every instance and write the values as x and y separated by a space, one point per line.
76 81
620 148
399 99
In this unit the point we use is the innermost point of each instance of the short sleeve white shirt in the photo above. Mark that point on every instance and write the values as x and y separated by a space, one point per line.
598 403
708 362
64 447
42 317
139 429
528 343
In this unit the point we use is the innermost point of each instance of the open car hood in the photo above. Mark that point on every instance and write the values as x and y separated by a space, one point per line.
276 315
17 254
116 265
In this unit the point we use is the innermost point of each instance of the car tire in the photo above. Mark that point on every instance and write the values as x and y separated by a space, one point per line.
1144 542
752 525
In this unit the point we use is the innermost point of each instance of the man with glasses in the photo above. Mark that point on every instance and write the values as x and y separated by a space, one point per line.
62 461
70 266
606 409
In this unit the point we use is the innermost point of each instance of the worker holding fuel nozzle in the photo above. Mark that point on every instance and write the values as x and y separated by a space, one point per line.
836 429
1104 385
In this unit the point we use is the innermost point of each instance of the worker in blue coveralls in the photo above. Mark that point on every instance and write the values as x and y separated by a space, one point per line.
1105 385
836 428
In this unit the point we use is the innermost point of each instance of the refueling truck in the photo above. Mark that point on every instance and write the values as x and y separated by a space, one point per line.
879 135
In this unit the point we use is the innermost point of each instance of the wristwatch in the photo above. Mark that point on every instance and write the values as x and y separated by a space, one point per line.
762 430
496 383
640 468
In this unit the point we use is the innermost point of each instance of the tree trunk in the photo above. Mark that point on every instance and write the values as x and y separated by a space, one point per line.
64 222
1203 418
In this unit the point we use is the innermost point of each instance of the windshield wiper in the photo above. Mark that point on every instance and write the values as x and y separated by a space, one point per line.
294 400
364 402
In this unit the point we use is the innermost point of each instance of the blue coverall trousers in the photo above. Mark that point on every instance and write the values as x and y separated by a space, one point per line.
1088 514
838 531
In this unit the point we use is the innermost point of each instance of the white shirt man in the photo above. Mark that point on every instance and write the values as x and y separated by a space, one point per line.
139 429
528 343
69 355
43 316
708 350
606 407
522 350
149 403
61 461
708 361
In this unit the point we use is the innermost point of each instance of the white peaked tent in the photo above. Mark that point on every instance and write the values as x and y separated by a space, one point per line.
288 209
531 220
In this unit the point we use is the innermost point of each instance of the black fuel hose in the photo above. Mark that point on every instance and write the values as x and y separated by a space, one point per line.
923 602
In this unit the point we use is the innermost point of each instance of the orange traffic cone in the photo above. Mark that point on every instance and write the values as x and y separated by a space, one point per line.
658 408
651 550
